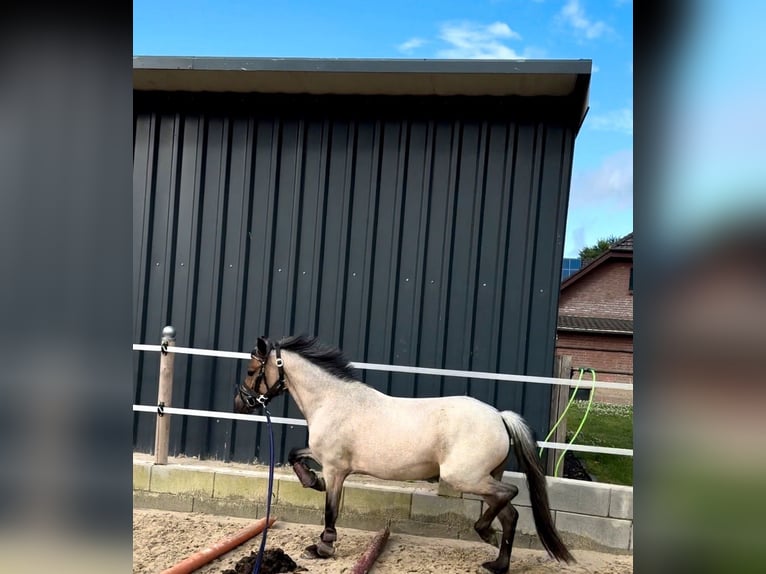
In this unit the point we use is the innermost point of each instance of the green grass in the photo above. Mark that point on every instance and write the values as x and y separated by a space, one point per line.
606 425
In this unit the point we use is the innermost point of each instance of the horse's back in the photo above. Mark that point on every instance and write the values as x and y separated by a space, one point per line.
460 428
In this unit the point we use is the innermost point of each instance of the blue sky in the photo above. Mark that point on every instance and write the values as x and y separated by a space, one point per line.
601 199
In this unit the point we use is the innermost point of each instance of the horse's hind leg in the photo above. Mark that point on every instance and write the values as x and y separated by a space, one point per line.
508 517
497 495
495 506
308 477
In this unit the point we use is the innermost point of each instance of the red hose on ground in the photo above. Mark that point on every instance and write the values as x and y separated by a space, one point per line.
206 555
365 562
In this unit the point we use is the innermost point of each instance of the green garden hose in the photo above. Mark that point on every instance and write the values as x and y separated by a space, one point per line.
582 422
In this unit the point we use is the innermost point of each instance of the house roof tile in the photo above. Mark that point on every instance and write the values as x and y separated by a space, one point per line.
624 244
595 324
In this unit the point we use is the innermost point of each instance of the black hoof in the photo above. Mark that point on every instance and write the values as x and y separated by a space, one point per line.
496 567
489 536
318 551
307 476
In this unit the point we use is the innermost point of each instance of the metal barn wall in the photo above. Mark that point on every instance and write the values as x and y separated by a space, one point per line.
405 233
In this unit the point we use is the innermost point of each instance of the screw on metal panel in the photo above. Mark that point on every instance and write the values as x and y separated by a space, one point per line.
157 264
182 264
407 279
483 284
353 274
279 270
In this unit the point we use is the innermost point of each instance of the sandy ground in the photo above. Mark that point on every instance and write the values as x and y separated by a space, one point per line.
163 538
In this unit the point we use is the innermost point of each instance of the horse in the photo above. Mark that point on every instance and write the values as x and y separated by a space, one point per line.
356 429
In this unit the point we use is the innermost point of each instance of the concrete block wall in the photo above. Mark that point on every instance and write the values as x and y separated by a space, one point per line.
588 515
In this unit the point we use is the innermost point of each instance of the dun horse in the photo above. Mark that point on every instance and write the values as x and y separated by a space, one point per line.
353 428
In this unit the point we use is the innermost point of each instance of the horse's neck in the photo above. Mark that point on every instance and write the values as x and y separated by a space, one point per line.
310 386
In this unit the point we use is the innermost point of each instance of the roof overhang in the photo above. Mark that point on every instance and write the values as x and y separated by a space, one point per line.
395 77
599 325
596 331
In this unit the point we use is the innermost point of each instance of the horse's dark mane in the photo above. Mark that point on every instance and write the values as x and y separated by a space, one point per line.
331 359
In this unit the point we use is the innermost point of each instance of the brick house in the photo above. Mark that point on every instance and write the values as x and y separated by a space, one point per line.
595 321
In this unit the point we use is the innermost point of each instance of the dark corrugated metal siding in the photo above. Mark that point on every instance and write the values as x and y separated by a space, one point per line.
411 233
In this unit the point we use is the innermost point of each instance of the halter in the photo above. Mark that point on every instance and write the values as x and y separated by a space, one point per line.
271 391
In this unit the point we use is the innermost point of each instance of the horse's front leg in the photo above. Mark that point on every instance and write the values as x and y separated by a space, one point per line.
334 483
308 477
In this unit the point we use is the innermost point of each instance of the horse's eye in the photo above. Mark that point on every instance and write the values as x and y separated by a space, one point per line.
250 373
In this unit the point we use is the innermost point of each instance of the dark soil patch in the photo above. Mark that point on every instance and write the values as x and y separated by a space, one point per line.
274 561
573 468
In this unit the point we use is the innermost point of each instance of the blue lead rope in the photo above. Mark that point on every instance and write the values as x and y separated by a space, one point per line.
259 559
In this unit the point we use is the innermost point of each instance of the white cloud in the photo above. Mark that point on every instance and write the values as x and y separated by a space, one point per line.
610 186
503 30
575 16
613 121
468 40
411 45
600 202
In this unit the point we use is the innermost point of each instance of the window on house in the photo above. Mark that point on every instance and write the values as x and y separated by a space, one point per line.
630 281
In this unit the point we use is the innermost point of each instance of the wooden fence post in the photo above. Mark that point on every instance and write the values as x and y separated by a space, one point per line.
559 400
164 396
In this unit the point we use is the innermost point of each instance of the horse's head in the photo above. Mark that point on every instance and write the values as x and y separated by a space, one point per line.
265 378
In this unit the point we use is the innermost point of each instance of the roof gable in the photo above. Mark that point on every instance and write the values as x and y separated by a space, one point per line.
622 250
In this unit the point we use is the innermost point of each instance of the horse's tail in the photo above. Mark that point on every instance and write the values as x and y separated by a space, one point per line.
524 447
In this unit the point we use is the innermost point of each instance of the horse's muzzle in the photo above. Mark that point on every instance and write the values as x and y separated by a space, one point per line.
241 407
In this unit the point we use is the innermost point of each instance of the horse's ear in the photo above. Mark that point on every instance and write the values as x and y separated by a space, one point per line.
263 347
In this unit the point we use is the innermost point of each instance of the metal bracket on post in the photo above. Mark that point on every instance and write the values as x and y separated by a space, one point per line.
164 396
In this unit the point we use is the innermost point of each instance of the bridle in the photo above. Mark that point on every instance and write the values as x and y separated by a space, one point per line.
252 401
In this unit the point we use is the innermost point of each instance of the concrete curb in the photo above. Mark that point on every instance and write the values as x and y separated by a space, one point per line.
593 516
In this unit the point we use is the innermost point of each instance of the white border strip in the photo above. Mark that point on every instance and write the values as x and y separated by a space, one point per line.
493 376
302 422
584 384
586 448
193 351
219 415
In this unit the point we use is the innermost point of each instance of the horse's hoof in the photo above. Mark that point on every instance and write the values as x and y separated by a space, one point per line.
319 550
310 553
496 567
490 536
